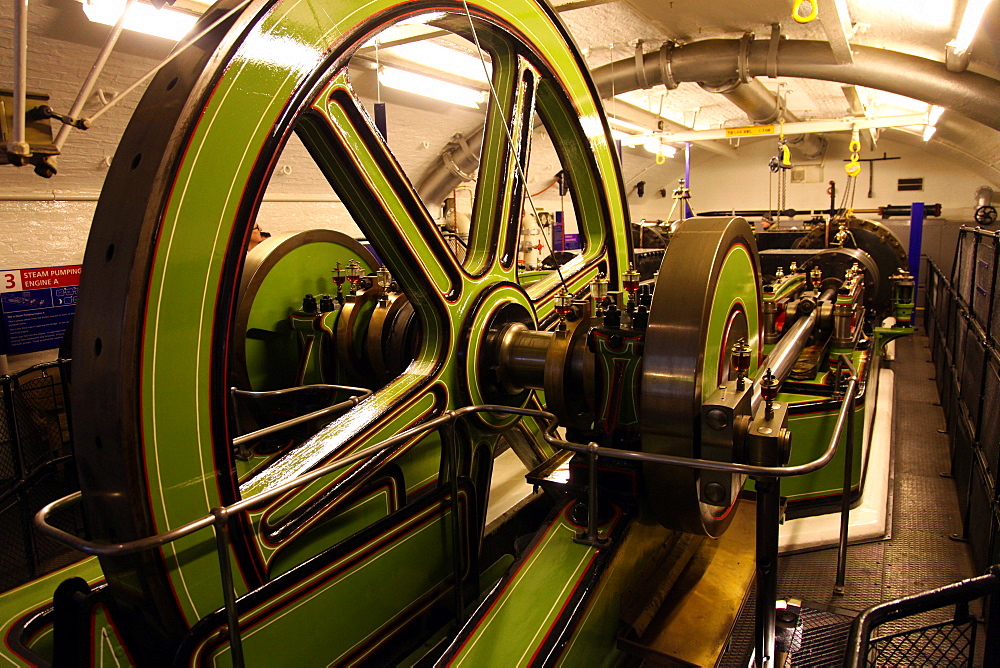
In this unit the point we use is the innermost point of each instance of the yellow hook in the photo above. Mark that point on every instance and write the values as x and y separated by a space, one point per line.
853 168
797 7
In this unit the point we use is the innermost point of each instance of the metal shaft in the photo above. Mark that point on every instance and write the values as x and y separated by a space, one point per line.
221 516
768 516
95 72
845 504
17 145
783 355
521 354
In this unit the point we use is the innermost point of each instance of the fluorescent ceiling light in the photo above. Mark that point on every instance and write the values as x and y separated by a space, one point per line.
891 103
654 146
974 10
166 22
430 87
625 125
438 57
934 114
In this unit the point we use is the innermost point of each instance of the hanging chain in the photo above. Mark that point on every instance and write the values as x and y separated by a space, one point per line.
780 164
494 99
852 168
782 192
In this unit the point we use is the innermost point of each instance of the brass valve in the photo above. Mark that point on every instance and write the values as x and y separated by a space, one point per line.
383 278
769 392
630 281
741 362
564 306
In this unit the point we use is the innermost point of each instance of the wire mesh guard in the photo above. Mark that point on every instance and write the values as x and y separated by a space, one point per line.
943 644
36 467
819 639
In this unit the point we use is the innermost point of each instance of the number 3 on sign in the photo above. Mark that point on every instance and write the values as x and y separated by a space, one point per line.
10 281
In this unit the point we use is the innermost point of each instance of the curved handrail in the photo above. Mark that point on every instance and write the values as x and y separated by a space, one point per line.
220 515
109 549
967 590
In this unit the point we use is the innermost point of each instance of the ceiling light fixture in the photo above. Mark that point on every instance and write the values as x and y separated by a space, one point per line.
437 89
626 125
956 52
973 16
166 22
655 146
443 59
934 114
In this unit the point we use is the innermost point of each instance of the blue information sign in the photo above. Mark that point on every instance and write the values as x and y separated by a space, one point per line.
36 305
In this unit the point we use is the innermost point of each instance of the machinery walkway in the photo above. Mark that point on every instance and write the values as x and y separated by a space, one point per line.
919 553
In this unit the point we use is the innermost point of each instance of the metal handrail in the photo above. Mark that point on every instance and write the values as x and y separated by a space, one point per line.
240 441
219 517
725 467
958 592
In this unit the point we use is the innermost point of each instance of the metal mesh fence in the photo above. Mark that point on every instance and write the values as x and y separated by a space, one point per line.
983 281
974 361
36 468
40 411
966 265
965 313
980 522
9 469
944 644
822 639
989 433
957 344
16 546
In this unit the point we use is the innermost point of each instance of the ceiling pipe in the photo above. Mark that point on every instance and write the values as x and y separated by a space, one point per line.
457 162
717 61
459 159
762 106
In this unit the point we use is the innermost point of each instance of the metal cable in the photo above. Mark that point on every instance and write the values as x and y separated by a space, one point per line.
495 99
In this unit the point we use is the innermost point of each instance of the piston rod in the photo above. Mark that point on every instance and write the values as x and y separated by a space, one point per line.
521 354
782 357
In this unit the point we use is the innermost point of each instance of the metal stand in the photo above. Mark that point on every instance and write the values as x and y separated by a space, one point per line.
592 536
221 526
768 516
845 506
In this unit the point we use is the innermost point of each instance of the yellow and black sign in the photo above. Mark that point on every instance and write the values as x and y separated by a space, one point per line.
750 131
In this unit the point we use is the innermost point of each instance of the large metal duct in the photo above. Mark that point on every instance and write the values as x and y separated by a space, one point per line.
719 61
761 106
459 159
457 162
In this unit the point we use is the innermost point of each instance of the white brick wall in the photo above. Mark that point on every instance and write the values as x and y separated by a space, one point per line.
40 230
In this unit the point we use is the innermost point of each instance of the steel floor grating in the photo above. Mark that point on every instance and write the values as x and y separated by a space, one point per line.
820 639
920 554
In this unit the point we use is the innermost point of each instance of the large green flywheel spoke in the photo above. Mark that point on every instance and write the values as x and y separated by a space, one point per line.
500 187
157 319
361 168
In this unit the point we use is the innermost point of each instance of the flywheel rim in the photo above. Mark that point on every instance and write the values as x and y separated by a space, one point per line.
168 428
707 296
